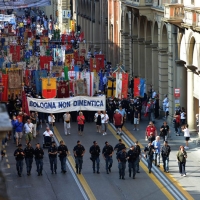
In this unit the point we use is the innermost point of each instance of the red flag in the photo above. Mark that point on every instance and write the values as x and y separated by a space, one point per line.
25 104
5 89
15 51
81 36
100 61
136 90
124 85
62 89
45 62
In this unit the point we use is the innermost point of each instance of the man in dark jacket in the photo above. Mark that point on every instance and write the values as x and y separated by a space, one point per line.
165 151
122 158
29 152
132 160
19 156
63 151
53 157
149 151
39 153
95 152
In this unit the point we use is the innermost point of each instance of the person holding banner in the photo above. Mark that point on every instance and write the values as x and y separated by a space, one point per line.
67 118
81 122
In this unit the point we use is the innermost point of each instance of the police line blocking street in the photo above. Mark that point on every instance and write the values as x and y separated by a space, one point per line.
168 185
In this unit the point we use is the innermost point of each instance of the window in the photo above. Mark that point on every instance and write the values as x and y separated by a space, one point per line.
192 2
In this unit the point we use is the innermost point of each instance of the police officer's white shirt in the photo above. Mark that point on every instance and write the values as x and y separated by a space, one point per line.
48 133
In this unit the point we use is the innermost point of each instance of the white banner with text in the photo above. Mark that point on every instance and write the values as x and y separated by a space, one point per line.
58 105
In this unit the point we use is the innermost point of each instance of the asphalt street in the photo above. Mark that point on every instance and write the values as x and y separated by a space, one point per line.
100 186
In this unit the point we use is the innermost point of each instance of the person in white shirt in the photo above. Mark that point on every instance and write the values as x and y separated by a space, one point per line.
51 121
104 122
165 102
67 118
186 135
48 132
166 109
153 94
28 129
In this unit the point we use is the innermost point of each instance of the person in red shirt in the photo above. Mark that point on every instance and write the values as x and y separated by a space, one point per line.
150 129
81 122
177 121
117 121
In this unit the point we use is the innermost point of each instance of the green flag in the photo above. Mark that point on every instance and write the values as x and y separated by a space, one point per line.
66 73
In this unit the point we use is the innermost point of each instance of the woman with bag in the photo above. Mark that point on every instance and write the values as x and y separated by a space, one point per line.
97 119
67 118
81 122
181 159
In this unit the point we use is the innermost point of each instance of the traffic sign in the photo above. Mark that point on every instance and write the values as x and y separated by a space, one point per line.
66 14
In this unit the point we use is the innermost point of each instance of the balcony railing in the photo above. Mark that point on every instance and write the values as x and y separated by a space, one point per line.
174 12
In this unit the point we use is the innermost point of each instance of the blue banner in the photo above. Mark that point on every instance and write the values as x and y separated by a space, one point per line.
142 89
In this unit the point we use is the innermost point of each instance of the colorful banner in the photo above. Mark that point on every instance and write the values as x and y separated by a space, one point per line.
111 87
58 105
62 89
68 59
100 61
142 87
136 90
49 89
45 62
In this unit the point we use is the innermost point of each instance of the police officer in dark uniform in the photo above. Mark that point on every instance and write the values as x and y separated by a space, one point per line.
119 146
122 157
53 157
132 161
63 151
95 152
112 109
149 151
79 151
29 152
19 156
39 153
107 155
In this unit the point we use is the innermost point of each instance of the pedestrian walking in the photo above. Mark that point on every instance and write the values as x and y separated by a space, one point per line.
28 129
79 152
149 151
150 130
122 157
53 157
67 126
123 113
63 152
81 122
104 122
29 153
19 156
34 122
164 131
177 121
18 132
95 152
138 153
39 153
117 121
165 151
51 121
186 135
119 146
157 148
107 155
136 120
97 119
181 159
132 161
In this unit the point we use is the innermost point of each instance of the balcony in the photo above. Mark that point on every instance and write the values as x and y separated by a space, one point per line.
189 20
138 3
174 14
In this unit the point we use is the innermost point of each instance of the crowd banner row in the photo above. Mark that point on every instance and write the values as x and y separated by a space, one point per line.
58 105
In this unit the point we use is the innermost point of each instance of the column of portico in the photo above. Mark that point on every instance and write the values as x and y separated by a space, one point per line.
126 51
148 63
190 100
163 73
135 55
141 58
155 80
96 28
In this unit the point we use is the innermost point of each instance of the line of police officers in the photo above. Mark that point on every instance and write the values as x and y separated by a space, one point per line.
132 156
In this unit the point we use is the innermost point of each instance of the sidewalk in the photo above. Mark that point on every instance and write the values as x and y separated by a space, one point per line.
189 183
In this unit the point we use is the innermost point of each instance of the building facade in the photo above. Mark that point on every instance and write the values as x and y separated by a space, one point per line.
149 48
186 15
100 22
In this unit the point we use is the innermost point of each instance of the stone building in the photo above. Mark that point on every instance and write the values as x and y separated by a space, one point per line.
100 22
186 15
149 48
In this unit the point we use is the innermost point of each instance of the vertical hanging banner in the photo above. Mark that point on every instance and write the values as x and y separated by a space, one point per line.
136 90
15 51
5 85
45 62
124 93
111 87
63 89
100 61
49 89
68 59
142 87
